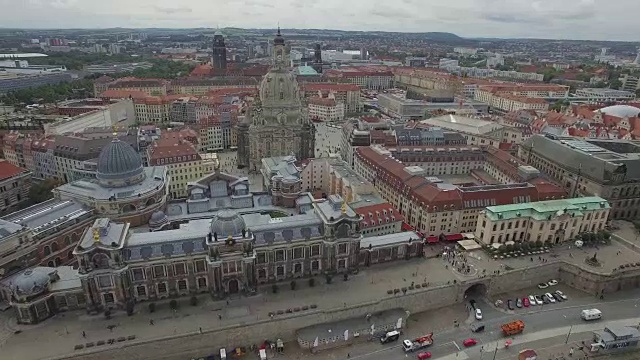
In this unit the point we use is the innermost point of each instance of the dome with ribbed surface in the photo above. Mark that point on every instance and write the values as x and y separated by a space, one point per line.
119 165
227 223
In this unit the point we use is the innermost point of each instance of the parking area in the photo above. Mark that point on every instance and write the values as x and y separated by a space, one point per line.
538 297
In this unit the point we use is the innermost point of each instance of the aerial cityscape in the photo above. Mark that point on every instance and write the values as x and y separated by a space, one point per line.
173 187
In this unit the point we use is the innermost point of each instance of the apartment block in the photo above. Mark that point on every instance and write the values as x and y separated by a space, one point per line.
15 183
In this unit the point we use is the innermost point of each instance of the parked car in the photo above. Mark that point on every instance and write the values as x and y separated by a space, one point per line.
552 282
550 297
562 295
470 342
543 286
538 299
510 304
518 303
557 297
532 300
477 327
424 355
478 314
526 302
545 299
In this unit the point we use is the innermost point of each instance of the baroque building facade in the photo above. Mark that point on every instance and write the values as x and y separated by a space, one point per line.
277 123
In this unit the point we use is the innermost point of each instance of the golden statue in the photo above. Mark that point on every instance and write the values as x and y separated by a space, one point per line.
115 131
96 235
343 208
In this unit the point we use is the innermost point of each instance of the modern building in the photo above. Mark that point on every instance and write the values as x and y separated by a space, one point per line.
630 83
605 95
476 131
552 221
123 189
15 183
91 113
13 82
117 68
183 110
410 135
616 339
276 124
593 167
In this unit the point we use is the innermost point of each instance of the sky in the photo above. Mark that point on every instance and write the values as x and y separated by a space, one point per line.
557 19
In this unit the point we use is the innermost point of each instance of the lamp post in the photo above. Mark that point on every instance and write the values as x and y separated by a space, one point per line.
569 334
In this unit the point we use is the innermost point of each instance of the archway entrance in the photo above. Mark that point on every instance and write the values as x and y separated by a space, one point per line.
476 291
233 286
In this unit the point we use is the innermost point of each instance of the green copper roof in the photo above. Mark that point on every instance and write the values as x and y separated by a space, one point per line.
540 210
306 70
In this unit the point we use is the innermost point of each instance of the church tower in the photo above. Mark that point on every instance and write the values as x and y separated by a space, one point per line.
277 123
317 59
219 55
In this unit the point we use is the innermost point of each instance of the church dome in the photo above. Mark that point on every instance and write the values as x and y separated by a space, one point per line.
227 223
119 165
279 87
158 219
31 282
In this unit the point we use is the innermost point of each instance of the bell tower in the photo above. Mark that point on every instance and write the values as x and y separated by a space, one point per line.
279 51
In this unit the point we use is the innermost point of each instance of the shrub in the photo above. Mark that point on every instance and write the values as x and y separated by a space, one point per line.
293 284
312 282
152 307
173 304
345 277
508 248
194 301
538 243
329 278
274 288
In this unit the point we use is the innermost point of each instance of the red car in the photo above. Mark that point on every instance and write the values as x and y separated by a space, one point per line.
525 302
469 342
424 355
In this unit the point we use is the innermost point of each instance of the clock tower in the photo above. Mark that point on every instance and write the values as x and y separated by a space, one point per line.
279 51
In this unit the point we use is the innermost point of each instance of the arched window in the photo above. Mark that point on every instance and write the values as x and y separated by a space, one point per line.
54 246
70 255
47 250
57 261
51 264
67 240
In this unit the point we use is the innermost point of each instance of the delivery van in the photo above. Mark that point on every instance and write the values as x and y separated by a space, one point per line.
591 314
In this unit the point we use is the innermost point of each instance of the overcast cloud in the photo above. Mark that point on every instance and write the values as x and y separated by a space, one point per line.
562 19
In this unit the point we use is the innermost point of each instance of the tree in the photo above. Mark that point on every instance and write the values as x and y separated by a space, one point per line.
274 288
538 243
152 307
329 278
293 284
173 304
615 84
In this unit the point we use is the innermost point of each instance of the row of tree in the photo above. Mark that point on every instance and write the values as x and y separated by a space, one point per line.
49 93
161 69
77 60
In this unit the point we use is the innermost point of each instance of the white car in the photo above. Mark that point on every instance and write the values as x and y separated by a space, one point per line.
538 300
532 300
543 286
553 282
478 314
550 297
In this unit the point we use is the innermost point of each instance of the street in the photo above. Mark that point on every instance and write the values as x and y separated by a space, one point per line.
545 325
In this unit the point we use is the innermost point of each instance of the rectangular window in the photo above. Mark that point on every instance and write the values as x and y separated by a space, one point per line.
553 227
141 290
182 285
342 264
108 298
162 288
105 281
342 249
138 274
202 283
279 255
159 271
315 250
298 253
297 268
280 271
201 266
261 258
179 269
315 265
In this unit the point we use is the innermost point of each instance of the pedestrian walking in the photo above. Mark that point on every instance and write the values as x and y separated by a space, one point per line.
84 335
151 322
200 330
219 316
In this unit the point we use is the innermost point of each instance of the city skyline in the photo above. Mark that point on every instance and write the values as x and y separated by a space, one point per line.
576 19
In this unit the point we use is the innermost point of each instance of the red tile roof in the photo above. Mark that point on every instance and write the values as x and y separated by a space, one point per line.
123 94
8 170
329 87
377 214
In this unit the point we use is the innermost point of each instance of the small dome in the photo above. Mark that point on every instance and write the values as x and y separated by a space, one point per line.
227 223
158 219
620 111
31 282
119 164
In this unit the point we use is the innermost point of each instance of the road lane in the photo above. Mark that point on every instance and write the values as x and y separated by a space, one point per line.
555 320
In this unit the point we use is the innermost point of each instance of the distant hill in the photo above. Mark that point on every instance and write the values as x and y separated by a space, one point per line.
442 36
